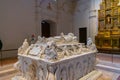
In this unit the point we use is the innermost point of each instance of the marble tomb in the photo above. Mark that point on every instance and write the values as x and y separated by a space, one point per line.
55 58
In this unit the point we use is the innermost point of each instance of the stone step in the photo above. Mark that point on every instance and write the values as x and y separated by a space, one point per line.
109 57
7 70
107 63
108 68
8 77
94 75
6 67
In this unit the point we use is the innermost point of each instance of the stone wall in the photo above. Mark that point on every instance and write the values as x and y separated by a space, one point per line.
22 18
85 15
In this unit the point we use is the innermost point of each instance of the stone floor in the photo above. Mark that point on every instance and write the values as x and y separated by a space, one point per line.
114 58
107 75
8 61
9 72
109 64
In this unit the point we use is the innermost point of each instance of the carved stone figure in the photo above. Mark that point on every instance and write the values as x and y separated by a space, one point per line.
35 50
55 58
65 51
55 48
70 38
79 48
79 69
57 73
42 49
51 75
28 49
63 74
19 66
44 40
31 72
71 72
74 48
91 45
39 39
41 73
50 53
50 47
62 34
24 47
75 39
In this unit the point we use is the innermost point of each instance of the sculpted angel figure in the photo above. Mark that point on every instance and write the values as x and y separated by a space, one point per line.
39 39
42 49
24 47
50 51
18 66
91 45
62 34
41 73
65 51
31 74
28 49
51 75
80 48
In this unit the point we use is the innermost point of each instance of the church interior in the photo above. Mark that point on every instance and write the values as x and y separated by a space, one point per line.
59 39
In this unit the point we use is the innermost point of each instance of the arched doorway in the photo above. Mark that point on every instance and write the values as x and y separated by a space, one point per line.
48 28
45 29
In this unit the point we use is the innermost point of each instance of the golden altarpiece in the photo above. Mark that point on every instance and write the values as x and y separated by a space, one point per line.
108 37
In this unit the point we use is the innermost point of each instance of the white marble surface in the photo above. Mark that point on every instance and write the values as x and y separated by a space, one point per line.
55 58
52 62
55 48
72 68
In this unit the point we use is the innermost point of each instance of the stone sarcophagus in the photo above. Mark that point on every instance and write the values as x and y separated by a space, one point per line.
55 58
72 68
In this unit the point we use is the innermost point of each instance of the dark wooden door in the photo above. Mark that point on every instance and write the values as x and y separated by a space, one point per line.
83 35
45 29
